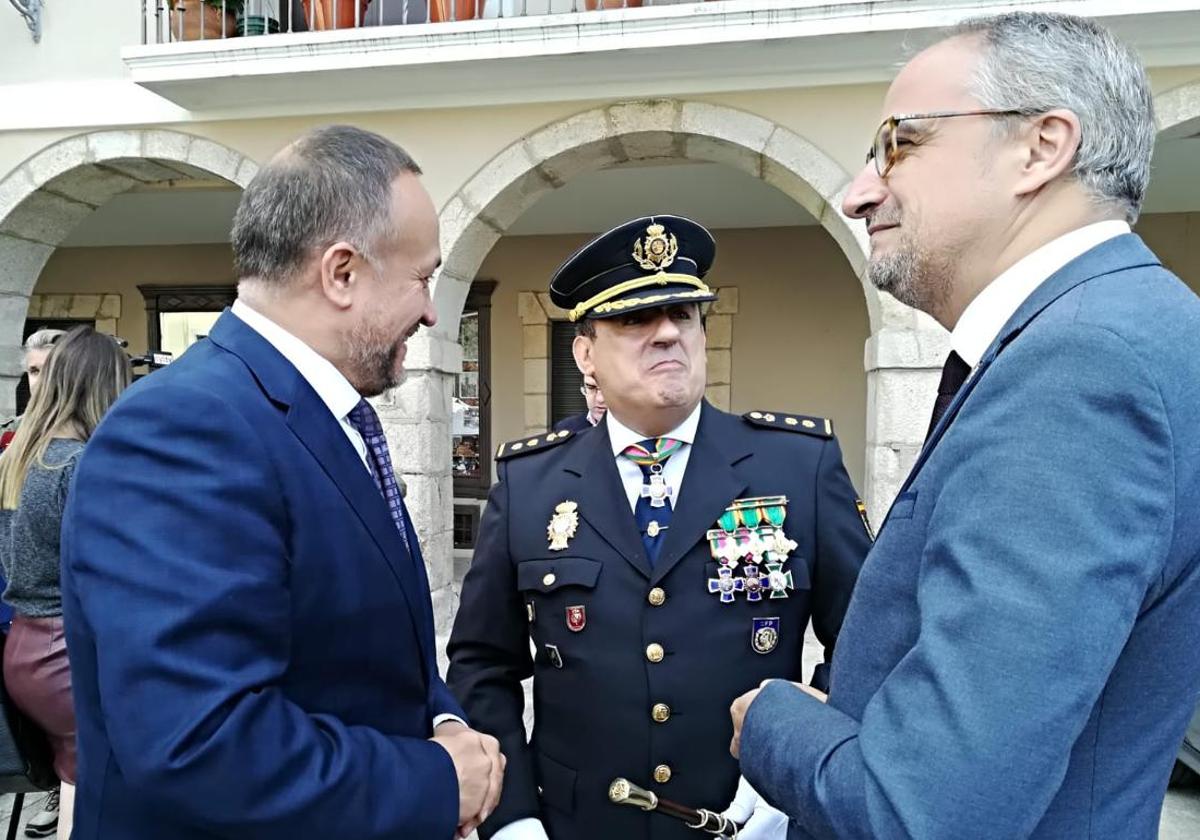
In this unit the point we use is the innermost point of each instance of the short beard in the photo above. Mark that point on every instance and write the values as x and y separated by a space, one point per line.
372 360
914 277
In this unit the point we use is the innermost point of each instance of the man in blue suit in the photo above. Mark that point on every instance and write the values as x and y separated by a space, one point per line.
247 610
1019 656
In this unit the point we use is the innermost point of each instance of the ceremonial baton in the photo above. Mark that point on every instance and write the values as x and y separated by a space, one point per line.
624 792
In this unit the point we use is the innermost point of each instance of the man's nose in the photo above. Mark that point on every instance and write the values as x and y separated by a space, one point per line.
666 331
867 191
429 316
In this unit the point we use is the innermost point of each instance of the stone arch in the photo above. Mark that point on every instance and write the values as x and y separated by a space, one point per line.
43 199
46 197
513 181
902 356
1177 111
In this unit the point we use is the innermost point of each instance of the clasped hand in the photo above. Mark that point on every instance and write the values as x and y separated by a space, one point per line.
479 765
742 705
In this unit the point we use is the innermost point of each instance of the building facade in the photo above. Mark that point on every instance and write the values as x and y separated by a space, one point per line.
127 137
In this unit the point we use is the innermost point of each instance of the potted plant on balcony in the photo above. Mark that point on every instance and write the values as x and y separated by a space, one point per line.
593 5
443 11
321 14
191 20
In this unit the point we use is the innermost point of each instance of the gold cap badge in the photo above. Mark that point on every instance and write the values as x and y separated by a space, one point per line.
657 250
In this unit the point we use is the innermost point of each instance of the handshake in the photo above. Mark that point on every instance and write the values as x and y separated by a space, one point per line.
479 765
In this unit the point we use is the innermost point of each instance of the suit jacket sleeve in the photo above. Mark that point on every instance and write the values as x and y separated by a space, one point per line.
1041 545
176 551
842 544
489 656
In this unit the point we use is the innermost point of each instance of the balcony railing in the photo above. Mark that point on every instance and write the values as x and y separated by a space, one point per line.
165 21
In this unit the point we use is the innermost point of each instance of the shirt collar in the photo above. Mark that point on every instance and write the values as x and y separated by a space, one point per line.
333 388
987 314
622 437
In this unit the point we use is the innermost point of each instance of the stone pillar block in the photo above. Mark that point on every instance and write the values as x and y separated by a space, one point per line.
536 413
720 363
718 395
553 312
535 341
20 264
110 307
720 331
726 302
530 309
537 376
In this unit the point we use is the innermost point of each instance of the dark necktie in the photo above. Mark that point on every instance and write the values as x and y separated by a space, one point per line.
654 503
379 462
954 374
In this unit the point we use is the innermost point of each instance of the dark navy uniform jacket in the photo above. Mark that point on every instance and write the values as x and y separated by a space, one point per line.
607 704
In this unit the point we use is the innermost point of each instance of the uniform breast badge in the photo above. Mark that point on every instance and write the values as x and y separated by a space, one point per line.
764 634
563 525
750 531
576 618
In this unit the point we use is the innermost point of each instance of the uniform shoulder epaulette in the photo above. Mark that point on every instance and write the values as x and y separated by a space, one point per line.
821 427
523 446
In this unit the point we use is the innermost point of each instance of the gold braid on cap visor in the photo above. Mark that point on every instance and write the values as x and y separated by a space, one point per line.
604 302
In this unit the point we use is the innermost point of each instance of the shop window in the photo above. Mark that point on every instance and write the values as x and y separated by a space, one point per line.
471 438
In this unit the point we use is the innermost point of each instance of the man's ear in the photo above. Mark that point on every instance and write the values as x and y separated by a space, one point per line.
581 348
1049 149
339 264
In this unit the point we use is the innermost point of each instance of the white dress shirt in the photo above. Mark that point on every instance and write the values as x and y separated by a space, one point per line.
334 389
620 437
987 314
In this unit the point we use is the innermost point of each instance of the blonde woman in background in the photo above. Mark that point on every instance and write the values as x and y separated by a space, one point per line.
84 374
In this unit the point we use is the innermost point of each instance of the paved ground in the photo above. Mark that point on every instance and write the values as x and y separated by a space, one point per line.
1180 820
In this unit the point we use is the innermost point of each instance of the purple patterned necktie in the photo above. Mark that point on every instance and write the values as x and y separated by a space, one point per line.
363 418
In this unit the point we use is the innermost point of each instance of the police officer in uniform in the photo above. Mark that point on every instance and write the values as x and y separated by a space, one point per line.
662 563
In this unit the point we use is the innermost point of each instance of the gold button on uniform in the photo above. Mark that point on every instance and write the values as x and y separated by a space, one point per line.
549 579
661 713
662 774
657 596
654 652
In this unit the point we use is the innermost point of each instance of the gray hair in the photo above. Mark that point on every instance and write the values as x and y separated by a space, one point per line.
1036 61
42 339
334 183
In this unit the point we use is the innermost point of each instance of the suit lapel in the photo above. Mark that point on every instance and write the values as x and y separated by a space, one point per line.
1116 254
709 485
317 429
601 497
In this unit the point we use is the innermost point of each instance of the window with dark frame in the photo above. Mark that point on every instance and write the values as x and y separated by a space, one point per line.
178 316
471 438
566 398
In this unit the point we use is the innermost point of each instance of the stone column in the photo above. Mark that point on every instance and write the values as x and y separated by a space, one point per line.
903 360
416 420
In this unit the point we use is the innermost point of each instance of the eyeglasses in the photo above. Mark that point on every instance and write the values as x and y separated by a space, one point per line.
885 149
587 390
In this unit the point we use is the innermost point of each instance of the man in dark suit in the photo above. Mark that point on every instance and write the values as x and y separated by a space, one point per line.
595 409
662 563
1019 658
247 610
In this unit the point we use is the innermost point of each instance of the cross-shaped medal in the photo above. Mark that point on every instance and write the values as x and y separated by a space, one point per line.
779 581
657 491
726 584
